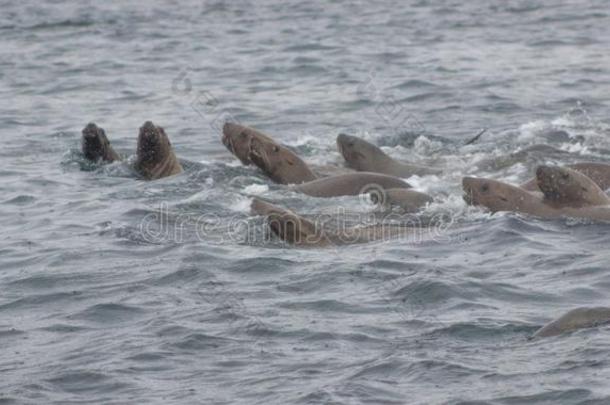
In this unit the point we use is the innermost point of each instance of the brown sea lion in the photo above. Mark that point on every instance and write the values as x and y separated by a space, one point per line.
578 318
565 187
155 155
363 156
498 196
298 231
96 146
350 184
278 162
237 138
598 172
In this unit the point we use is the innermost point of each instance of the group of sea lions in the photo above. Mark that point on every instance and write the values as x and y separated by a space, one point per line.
155 157
576 191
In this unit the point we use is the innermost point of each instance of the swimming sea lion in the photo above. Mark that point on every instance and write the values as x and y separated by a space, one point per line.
578 318
565 187
278 162
598 172
96 146
298 231
366 157
351 184
237 138
155 156
498 196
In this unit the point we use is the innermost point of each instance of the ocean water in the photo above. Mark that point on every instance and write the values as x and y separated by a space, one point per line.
115 290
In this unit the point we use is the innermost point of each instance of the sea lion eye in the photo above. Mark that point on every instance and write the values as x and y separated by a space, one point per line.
276 149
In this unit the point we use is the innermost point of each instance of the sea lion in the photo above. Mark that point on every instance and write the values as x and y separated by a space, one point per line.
96 146
278 162
236 138
498 196
565 187
366 157
155 156
298 231
598 172
350 184
578 318
406 199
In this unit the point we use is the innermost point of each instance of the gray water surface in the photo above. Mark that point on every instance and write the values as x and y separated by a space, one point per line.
114 290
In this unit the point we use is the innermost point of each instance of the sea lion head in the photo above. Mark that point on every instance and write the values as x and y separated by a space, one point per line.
358 153
236 138
279 163
287 225
153 144
493 194
565 186
95 144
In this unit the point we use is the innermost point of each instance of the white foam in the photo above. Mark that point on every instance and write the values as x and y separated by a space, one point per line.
256 189
241 204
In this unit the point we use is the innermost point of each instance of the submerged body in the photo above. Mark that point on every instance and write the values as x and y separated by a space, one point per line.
407 200
351 184
578 318
363 156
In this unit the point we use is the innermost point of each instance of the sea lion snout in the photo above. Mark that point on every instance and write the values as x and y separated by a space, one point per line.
470 185
344 140
148 129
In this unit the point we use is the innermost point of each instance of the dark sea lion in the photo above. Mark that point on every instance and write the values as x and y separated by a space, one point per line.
498 196
237 138
155 155
298 231
278 162
351 184
578 318
598 172
408 200
565 187
96 146
363 156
